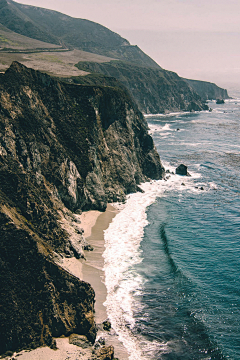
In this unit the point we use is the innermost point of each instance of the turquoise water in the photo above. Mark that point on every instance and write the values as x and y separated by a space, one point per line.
178 286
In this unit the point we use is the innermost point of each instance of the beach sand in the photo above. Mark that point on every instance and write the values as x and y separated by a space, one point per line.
93 273
90 270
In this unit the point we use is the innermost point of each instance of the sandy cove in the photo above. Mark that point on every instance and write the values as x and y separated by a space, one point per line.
90 270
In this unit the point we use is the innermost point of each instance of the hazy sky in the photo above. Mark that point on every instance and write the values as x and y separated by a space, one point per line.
196 38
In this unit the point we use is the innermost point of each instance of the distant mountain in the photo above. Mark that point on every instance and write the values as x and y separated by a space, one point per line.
57 28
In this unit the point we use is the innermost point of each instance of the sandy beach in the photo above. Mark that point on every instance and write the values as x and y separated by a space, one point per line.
90 270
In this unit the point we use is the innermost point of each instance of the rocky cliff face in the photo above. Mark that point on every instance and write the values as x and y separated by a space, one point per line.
38 299
63 148
208 90
154 90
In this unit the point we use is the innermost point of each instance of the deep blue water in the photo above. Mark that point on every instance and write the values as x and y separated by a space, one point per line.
183 282
192 243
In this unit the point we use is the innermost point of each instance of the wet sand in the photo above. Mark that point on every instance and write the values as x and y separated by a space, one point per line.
93 273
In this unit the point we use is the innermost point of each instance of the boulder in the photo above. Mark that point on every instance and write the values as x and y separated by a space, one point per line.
220 101
106 325
100 342
105 353
182 170
79 340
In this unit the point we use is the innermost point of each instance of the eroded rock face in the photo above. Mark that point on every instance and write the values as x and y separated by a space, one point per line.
63 148
38 299
90 143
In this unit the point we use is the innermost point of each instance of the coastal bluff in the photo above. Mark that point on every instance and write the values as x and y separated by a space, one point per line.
64 148
208 90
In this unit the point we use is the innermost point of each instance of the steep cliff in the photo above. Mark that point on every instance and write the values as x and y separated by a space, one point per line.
154 90
63 148
208 90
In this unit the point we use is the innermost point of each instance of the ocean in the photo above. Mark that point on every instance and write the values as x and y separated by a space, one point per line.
172 253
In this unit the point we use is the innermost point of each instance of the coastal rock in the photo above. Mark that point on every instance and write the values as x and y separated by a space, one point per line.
39 300
90 143
220 101
182 170
100 342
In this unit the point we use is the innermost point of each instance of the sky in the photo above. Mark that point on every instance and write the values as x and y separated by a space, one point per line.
196 38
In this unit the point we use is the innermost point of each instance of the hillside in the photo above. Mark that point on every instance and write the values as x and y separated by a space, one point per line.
56 28
10 40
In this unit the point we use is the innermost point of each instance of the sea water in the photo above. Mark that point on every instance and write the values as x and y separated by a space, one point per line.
172 258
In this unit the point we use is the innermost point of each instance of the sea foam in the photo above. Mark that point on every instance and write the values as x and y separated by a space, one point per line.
122 252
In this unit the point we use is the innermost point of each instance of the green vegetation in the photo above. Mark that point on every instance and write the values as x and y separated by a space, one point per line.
4 40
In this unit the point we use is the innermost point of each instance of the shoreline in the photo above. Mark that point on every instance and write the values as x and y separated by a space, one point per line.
92 267
92 271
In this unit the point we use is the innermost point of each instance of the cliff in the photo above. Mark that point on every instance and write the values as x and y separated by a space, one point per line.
208 90
63 148
154 90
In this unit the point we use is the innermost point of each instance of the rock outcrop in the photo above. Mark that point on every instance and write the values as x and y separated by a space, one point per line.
63 148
